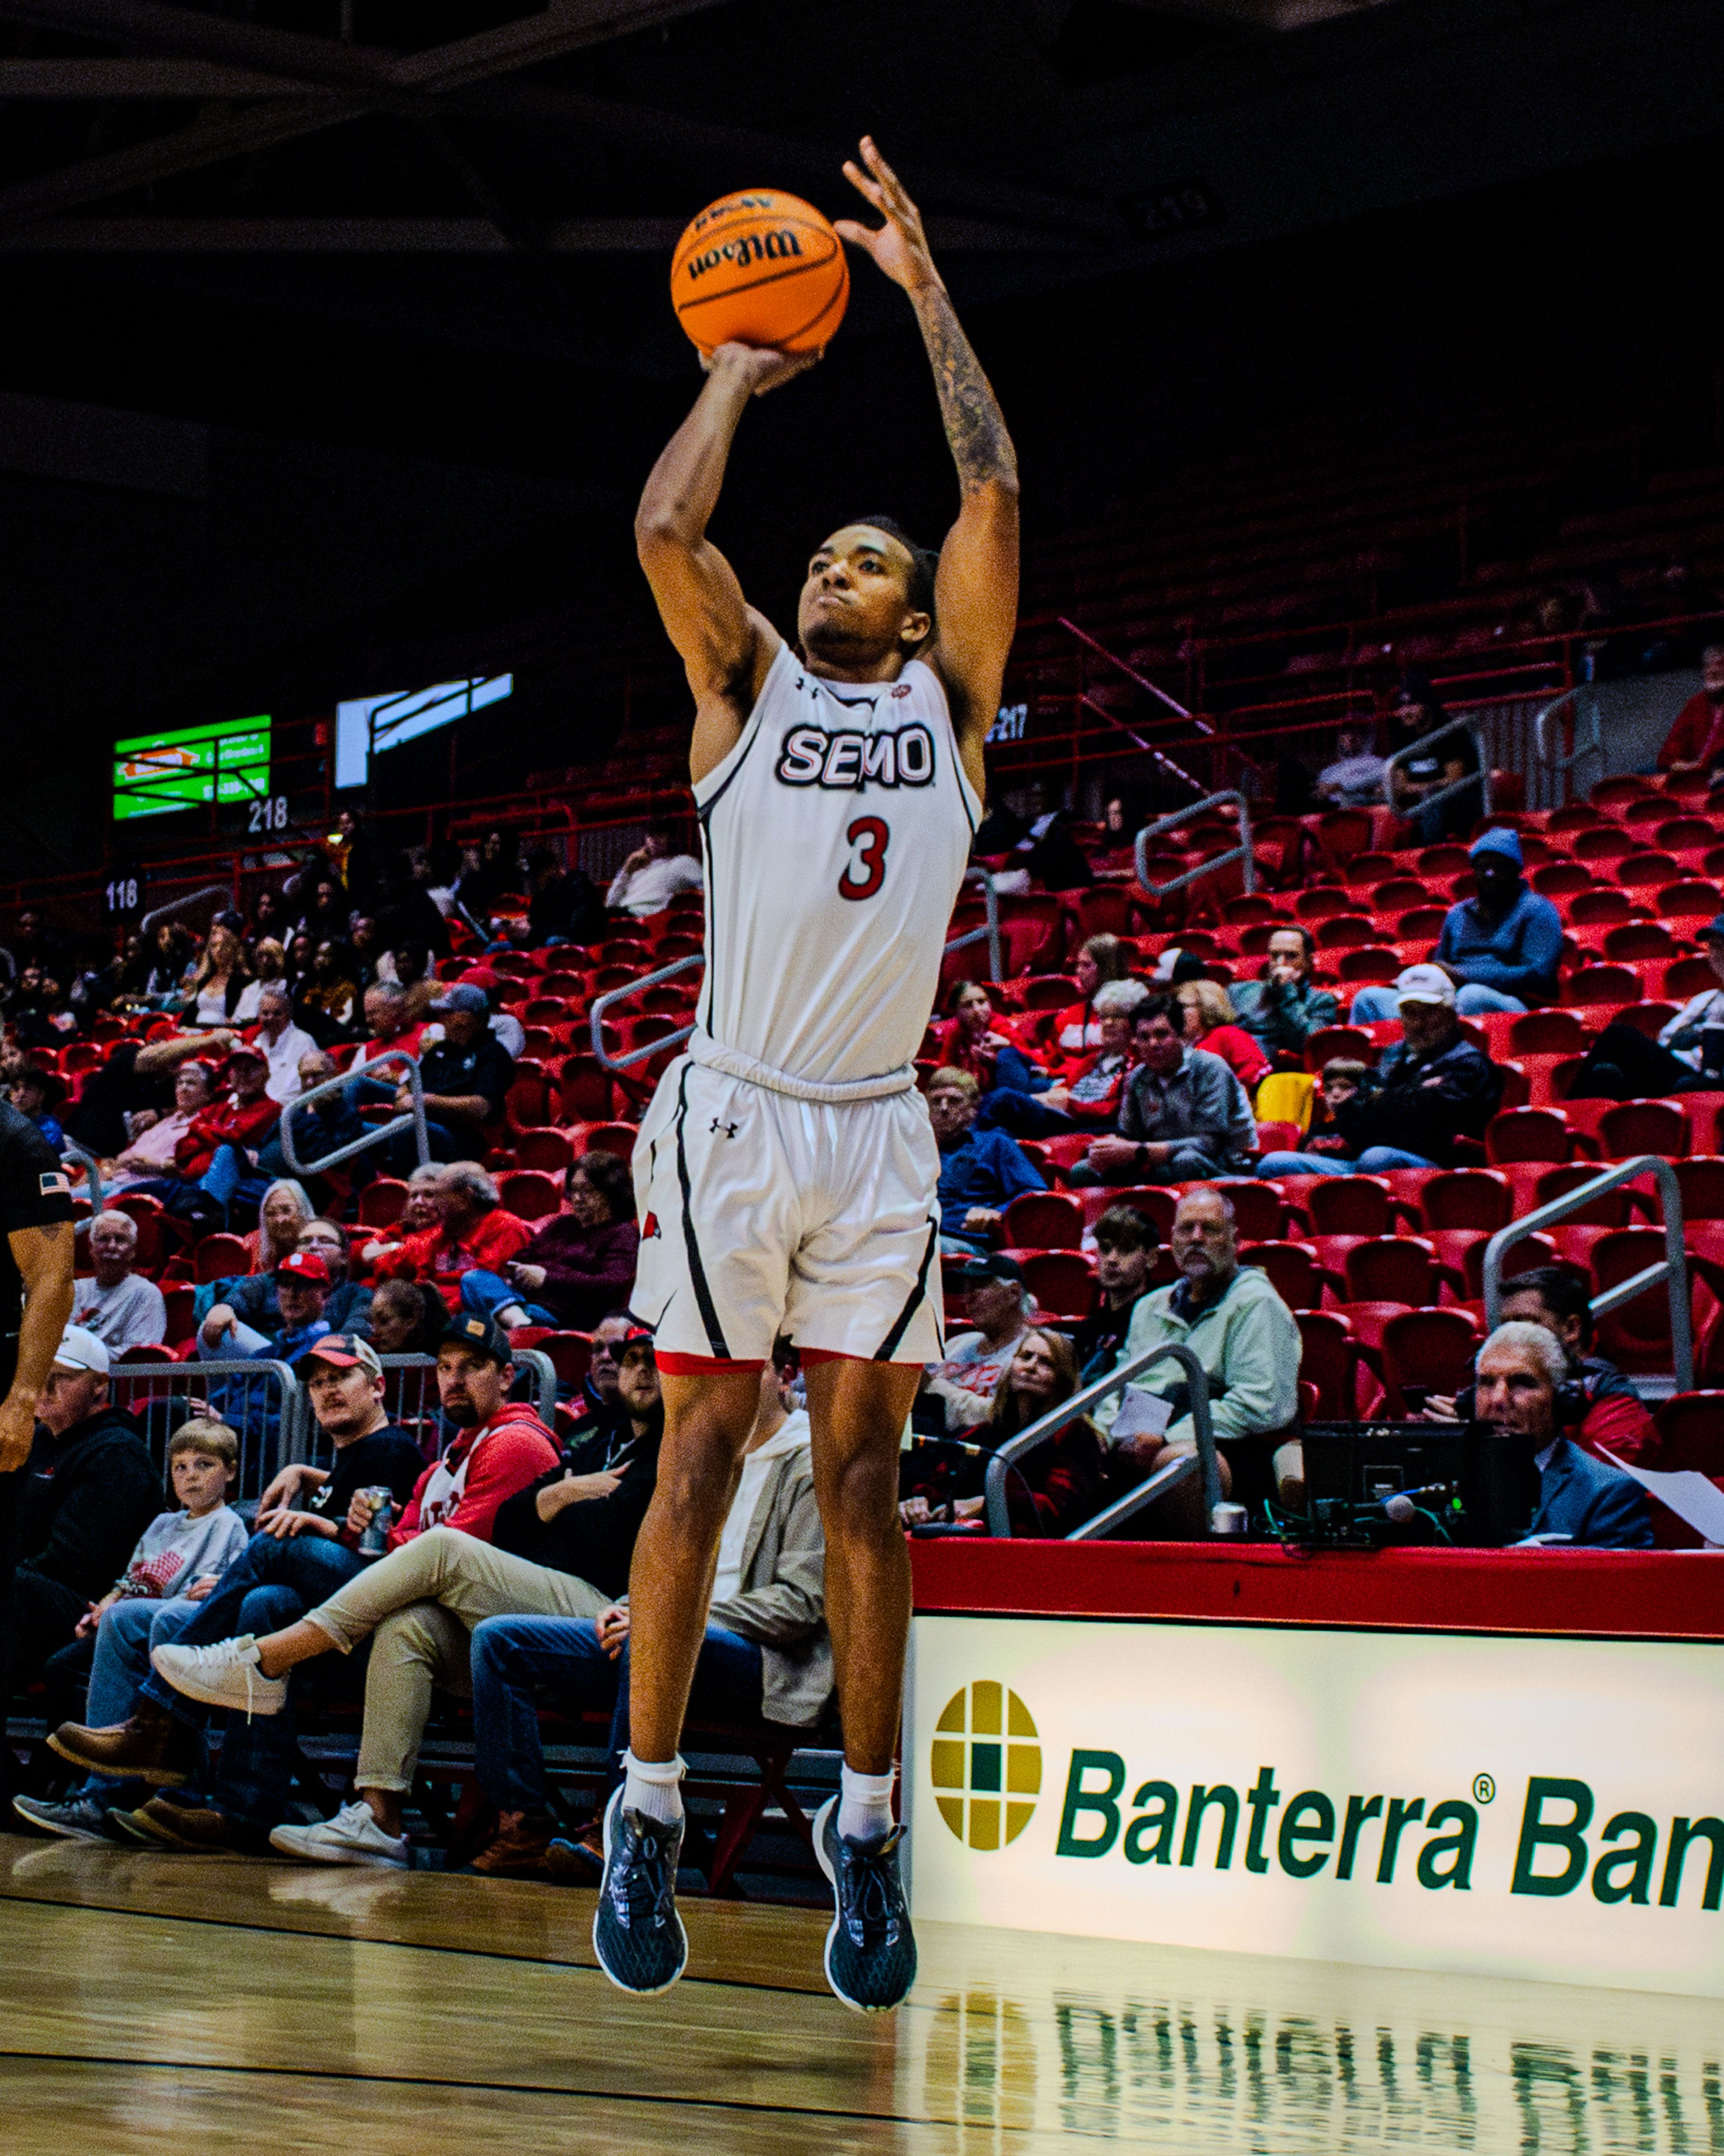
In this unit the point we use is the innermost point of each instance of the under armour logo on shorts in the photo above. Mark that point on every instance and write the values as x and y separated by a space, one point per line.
729 1130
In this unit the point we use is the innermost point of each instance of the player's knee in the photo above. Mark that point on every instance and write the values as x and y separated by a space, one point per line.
861 1492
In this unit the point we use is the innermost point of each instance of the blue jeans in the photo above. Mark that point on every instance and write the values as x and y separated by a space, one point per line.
311 1567
1375 1160
1472 1000
123 1640
520 1661
487 1293
231 1175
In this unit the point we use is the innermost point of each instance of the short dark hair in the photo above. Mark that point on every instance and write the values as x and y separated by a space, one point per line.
1124 1228
1296 928
1562 1291
611 1176
924 561
1159 1005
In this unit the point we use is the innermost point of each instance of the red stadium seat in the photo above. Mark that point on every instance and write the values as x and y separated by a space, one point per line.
1467 1198
1627 1127
1602 985
1062 1281
1044 1220
1598 906
218 1257
1390 1269
613 1137
1637 1336
1368 1320
1258 1208
571 1354
182 1322
586 1091
1701 1176
1613 1209
1691 1429
1154 1201
1292 1269
546 1147
1516 1134
1426 1351
1347 1204
1330 1360
1689 900
531 1194
1332 1040
381 1202
1687 976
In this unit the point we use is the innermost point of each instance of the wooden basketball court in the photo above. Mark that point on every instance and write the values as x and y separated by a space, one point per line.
158 2003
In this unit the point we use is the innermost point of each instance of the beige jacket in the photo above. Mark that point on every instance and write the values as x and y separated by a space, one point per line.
781 1601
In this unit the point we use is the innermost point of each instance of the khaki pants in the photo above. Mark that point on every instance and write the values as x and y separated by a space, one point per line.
422 1602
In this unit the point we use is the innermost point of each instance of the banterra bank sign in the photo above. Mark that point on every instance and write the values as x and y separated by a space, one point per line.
991 1776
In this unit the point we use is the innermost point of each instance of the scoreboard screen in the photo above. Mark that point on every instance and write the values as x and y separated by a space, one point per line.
156 774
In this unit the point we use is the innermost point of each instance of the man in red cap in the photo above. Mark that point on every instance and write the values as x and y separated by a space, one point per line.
302 1286
216 1159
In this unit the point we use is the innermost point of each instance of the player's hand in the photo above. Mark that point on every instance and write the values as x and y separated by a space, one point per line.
758 368
900 248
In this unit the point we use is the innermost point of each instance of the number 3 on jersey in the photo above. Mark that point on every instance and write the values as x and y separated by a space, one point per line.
869 836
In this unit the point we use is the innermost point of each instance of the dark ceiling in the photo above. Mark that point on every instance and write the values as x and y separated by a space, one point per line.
325 317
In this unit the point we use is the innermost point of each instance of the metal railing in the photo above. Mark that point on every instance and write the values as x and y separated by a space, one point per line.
411 1399
1242 852
261 1401
175 905
73 1154
379 1134
601 1004
1583 696
1184 1464
1479 779
1672 1269
990 928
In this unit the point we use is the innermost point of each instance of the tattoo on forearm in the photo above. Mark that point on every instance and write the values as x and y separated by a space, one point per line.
975 425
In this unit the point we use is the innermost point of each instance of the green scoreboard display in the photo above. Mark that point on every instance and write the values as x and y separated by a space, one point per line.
156 774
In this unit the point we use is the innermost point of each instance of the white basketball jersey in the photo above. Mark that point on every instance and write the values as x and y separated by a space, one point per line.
836 833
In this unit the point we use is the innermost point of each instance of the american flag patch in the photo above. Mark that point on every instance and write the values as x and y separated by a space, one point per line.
55 1185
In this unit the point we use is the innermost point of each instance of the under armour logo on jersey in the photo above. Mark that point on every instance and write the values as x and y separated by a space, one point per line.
729 1130
850 762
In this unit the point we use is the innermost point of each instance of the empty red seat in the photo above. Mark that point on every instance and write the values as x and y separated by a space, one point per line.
1329 1360
586 1091
1598 906
1602 984
1516 1134
1467 1198
1426 1351
1612 1209
1629 1127
1351 1041
1646 871
1390 1269
1701 1176
531 1194
1368 1320
1689 900
1346 1205
218 1257
614 1137
381 1201
1691 1429
1258 1208
544 1146
1291 1267
1637 1335
1639 942
1044 1220
1062 1281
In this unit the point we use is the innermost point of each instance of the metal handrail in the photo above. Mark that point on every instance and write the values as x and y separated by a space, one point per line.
1584 697
1242 852
1203 1460
186 898
1672 1268
990 929
71 1150
414 1120
601 1004
1481 778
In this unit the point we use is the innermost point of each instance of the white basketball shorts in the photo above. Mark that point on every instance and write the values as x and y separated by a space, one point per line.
762 1214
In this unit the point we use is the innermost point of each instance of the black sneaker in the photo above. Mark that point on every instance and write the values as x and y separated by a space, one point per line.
870 1950
78 1819
637 1934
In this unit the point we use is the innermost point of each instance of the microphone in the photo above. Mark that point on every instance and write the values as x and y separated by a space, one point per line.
1403 1505
919 1438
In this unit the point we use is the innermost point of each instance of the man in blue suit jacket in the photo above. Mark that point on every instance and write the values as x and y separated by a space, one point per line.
1580 1500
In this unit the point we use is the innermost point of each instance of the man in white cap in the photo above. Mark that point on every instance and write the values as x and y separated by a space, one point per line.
1434 1086
88 1492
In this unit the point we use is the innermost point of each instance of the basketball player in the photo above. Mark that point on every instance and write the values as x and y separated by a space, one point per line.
786 1169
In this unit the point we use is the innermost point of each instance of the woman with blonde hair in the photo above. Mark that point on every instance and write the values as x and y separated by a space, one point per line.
1211 1024
213 992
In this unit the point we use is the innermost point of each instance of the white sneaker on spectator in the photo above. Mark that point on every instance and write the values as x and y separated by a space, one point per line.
225 1675
352 1837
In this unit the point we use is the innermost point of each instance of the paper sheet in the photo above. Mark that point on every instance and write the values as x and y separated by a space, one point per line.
1695 1500
1142 1414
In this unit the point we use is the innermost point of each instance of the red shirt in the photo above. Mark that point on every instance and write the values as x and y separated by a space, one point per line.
501 1459
1697 736
224 1122
408 1041
434 1254
1243 1056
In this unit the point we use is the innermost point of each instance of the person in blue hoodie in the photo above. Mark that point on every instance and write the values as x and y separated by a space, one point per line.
1501 948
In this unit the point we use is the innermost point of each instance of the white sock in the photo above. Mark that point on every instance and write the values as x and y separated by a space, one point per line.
864 1806
652 1787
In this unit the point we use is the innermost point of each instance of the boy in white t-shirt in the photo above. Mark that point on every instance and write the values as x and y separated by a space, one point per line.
179 1558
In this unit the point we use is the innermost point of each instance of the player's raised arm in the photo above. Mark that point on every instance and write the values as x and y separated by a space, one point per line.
976 591
723 643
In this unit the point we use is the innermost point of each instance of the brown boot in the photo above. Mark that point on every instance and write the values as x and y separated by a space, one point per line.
578 1862
150 1745
170 1819
517 1848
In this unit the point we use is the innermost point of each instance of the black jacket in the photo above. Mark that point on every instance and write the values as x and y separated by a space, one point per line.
1423 1107
593 1539
87 1497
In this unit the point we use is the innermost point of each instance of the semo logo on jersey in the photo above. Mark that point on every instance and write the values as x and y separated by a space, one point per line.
849 762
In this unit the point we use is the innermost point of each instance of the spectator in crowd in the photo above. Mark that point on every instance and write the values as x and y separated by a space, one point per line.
1184 1117
1696 741
406 964
1432 1087
327 995
389 1026
1090 1096
1355 780
1052 1489
1687 1057
1231 1318
270 917
1124 1253
299 960
405 1318
88 1492
170 959
766 1654
596 1394
1208 1022
652 875
323 910
563 905
320 1128
281 1043
37 1094
969 1040
302 1286
268 961
310 1523
1281 1009
1338 1082
212 994
473 1230
216 1159
1077 1030
1434 766
286 1208
118 1305
578 1264
1581 1501
419 1604
959 1393
39 1015
346 1303
1615 1418
180 1558
421 1208
980 1172
466 1078
150 1144
1502 949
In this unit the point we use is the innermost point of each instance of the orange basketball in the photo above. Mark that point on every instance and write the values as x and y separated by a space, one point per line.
762 269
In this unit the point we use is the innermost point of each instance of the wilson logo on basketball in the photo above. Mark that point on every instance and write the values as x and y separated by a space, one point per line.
986 1764
747 248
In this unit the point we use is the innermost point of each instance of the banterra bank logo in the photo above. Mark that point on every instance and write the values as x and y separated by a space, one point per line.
986 1765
